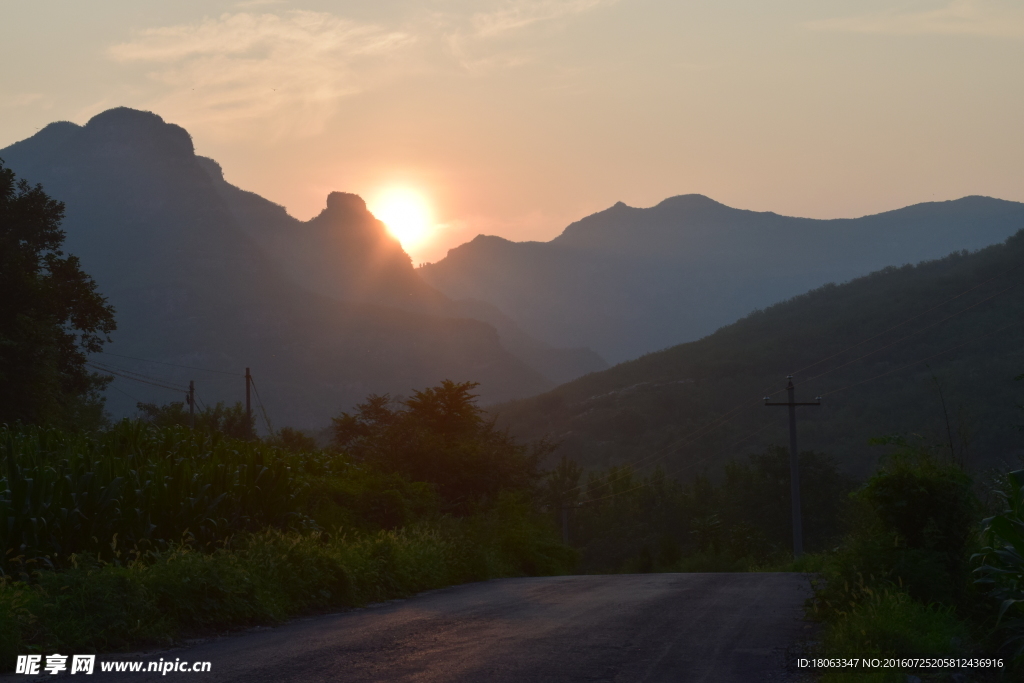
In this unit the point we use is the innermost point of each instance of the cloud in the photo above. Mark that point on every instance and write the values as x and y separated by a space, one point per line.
290 70
285 73
473 42
523 13
961 17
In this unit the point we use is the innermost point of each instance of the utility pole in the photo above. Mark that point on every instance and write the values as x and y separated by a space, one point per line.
248 403
794 464
192 404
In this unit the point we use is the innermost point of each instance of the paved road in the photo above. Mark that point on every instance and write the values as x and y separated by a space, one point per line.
622 628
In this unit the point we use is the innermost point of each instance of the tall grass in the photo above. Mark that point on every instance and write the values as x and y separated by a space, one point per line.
137 488
263 578
144 534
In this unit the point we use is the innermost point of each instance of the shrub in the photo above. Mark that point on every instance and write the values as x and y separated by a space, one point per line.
1001 560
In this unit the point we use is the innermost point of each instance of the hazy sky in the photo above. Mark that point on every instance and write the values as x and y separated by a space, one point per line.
516 117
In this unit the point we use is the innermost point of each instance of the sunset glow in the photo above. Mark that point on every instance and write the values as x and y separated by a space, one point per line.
405 213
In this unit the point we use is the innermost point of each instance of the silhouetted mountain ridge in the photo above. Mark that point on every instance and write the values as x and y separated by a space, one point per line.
191 286
626 281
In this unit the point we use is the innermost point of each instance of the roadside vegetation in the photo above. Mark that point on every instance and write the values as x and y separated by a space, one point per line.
737 521
923 571
143 533
920 559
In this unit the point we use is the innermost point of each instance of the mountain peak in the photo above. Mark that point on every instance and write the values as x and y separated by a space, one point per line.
139 129
691 201
346 202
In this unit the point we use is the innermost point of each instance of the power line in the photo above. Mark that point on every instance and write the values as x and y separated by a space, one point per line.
132 373
117 388
922 360
904 338
717 422
136 379
263 410
676 471
915 317
173 365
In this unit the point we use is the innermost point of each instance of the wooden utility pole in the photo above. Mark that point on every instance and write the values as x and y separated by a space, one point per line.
248 403
192 404
794 464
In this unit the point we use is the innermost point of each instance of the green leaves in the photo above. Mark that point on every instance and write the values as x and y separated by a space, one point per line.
50 314
1001 568
147 486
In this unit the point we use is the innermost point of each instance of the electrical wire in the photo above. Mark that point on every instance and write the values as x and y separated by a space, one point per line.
174 365
117 388
904 338
674 472
721 420
136 379
259 401
922 360
132 373
907 320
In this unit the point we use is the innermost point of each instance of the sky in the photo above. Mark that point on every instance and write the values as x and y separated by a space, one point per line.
517 117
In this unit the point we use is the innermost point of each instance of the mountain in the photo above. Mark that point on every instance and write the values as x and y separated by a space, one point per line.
931 350
347 254
627 281
193 284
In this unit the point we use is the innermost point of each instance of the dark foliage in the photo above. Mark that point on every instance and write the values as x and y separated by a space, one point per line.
942 341
50 315
293 440
623 522
913 526
231 421
440 436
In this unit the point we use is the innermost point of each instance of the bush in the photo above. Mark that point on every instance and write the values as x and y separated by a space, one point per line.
267 577
913 524
889 623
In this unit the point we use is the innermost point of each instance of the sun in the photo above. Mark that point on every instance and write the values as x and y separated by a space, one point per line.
406 214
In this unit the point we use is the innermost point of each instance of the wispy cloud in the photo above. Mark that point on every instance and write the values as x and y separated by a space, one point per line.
258 3
291 68
474 42
287 72
961 17
523 13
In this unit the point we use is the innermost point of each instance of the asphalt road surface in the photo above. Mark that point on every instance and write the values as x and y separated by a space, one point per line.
622 628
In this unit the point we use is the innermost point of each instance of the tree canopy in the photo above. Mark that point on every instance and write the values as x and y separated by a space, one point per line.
440 436
51 315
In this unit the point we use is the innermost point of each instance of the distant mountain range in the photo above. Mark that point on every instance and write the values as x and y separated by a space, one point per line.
208 279
928 352
628 281
204 275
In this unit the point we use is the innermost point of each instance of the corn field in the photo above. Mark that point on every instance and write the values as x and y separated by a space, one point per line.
135 489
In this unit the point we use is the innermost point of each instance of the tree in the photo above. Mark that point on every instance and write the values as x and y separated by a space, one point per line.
440 436
51 315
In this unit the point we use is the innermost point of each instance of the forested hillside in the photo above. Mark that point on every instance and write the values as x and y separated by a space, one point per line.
627 281
931 349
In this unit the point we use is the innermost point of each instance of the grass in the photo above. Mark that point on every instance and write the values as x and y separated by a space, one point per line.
889 623
264 578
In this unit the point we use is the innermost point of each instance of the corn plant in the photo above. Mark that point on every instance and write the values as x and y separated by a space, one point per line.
136 488
1001 560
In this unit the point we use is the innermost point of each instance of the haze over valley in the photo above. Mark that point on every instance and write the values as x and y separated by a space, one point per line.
327 311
